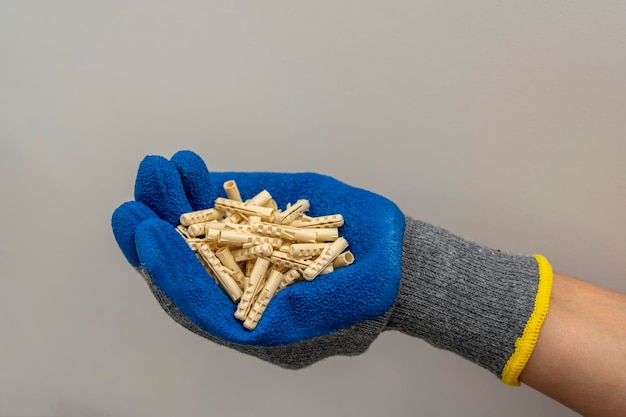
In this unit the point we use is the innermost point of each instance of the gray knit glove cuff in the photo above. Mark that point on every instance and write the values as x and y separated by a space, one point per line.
481 303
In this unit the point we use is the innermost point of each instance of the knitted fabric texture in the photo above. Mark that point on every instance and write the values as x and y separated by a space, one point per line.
463 297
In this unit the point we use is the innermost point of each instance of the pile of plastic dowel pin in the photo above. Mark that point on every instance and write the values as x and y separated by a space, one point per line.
253 250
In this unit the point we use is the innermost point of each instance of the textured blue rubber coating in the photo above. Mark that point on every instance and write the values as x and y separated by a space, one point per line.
374 228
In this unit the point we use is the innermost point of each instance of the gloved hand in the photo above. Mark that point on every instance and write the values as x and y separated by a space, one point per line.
338 313
483 304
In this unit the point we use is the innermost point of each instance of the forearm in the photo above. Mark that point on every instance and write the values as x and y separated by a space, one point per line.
580 356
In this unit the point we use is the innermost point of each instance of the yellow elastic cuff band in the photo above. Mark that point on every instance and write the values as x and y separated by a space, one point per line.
525 344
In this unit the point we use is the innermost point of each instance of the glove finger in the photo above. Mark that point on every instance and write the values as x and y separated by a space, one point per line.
124 222
195 178
159 186
176 271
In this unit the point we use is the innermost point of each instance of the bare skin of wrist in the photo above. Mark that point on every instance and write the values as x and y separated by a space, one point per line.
580 356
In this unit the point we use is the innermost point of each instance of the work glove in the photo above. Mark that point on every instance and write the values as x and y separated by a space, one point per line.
483 304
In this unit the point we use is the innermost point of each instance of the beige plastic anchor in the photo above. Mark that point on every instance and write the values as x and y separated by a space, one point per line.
200 216
200 229
234 218
232 191
307 249
325 234
284 259
230 237
263 299
244 209
258 271
344 259
335 220
261 199
291 276
196 229
237 227
272 204
325 258
294 211
285 248
246 254
227 282
228 260
248 267
284 232
209 235
195 243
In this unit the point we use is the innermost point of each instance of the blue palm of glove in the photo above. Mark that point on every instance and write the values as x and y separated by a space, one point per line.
327 313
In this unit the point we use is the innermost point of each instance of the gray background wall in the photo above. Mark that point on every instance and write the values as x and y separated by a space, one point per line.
502 121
